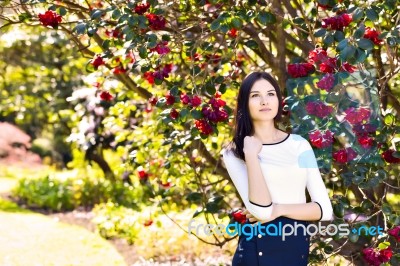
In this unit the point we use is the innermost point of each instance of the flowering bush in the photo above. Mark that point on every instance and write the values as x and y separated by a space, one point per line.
167 76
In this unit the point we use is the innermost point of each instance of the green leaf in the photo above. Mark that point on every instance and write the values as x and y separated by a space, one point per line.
328 40
184 113
333 97
360 55
106 44
251 44
339 35
224 28
347 52
365 44
196 114
116 14
222 88
236 23
142 52
359 33
194 197
328 249
319 33
338 210
96 13
215 25
383 245
386 209
358 14
371 14
80 28
62 11
342 44
266 18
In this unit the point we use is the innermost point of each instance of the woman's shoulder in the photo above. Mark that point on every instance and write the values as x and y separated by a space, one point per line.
299 141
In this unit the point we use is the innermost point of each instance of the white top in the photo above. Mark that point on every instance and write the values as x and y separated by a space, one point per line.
288 167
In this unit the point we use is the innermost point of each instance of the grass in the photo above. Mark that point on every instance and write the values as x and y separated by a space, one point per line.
29 238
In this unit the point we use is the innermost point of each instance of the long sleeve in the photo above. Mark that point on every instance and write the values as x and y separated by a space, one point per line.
315 185
237 171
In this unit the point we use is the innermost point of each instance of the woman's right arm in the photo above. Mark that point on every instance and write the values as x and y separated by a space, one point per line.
254 188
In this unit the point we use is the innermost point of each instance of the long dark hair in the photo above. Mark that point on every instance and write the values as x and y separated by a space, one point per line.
243 123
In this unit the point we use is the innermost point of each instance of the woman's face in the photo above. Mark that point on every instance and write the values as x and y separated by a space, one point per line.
263 101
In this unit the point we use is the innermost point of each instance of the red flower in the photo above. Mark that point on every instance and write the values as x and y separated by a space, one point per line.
114 33
328 66
148 222
338 22
149 76
395 232
233 33
106 96
327 82
388 156
50 18
196 57
203 126
140 9
214 59
239 217
317 56
216 103
185 98
300 69
98 61
195 101
385 254
119 70
156 22
320 140
153 101
354 116
170 99
372 34
365 141
318 109
142 174
173 114
161 48
166 185
344 155
348 68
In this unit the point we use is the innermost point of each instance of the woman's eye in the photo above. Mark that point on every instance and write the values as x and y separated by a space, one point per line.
254 95
271 94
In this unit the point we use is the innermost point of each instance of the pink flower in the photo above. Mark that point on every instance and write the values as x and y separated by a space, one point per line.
356 116
395 232
365 141
300 69
317 56
338 22
196 101
156 22
327 82
98 61
203 126
140 9
161 48
329 65
321 140
344 155
388 156
318 109
348 68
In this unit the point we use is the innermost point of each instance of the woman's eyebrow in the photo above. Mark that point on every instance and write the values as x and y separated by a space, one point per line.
258 91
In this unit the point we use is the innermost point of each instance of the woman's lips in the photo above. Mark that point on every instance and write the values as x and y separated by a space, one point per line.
265 110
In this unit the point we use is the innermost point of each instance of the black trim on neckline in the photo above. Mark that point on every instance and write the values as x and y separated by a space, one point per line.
279 141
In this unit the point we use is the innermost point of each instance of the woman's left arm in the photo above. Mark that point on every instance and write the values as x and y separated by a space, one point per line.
320 209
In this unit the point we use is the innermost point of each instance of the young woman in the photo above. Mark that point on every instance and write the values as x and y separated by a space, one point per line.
271 170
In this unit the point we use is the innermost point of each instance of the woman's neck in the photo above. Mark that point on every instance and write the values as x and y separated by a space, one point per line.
266 132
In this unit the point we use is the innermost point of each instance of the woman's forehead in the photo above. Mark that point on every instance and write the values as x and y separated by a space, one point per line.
262 85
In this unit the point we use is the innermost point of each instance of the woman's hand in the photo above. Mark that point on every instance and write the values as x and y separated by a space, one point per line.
275 214
251 145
